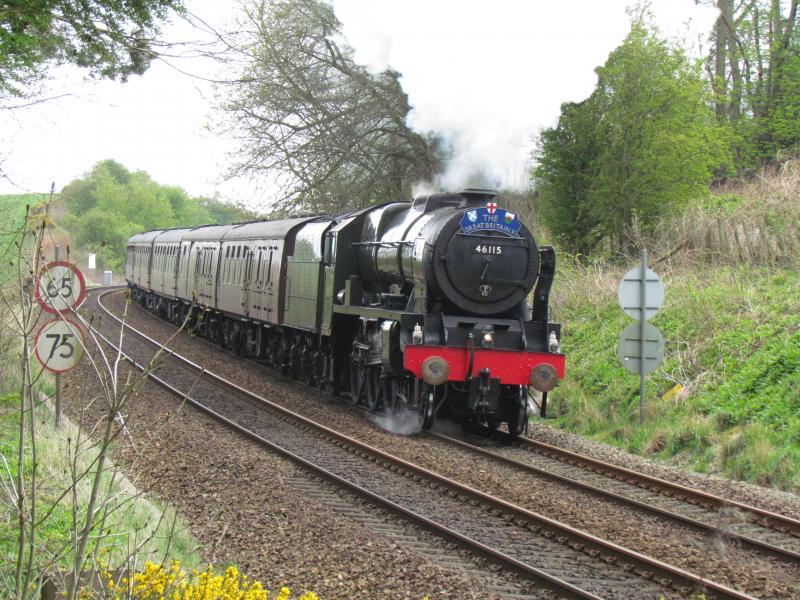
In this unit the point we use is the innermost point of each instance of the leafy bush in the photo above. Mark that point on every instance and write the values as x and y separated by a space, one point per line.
155 582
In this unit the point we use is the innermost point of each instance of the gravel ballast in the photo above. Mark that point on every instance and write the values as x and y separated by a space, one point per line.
640 531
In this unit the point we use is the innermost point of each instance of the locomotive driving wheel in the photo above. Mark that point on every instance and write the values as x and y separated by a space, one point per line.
306 361
519 417
395 394
425 405
372 388
318 362
357 379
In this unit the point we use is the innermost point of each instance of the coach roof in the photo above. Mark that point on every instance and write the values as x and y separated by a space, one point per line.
211 233
145 238
171 236
267 230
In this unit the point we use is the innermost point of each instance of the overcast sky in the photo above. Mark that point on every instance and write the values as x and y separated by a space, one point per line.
488 74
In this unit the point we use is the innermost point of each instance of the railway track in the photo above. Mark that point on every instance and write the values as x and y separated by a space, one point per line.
771 533
568 561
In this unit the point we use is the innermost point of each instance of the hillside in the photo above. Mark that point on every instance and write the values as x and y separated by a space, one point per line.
12 210
12 214
730 321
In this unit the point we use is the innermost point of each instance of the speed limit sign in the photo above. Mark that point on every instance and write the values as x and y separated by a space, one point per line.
60 287
59 345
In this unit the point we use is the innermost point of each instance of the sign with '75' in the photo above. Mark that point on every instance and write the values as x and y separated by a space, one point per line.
60 287
59 345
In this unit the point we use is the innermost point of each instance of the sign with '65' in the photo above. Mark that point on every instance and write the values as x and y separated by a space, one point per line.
60 287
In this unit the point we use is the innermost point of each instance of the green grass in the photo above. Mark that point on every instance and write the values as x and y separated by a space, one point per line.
733 343
133 519
12 210
12 215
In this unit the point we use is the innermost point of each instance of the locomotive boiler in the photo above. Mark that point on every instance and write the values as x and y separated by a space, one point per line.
437 306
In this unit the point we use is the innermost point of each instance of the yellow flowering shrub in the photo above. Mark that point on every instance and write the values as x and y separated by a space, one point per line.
155 582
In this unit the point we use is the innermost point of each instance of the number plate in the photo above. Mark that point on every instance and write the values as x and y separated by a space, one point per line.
492 249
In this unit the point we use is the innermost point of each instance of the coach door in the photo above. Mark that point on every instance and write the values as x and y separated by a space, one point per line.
183 271
274 281
258 285
198 283
203 275
247 281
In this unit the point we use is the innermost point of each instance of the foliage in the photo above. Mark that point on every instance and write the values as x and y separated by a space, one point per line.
754 64
564 176
641 145
335 133
221 212
133 520
110 38
156 582
732 343
12 217
110 204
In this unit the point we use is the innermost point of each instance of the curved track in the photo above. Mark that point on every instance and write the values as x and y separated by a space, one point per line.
762 530
559 557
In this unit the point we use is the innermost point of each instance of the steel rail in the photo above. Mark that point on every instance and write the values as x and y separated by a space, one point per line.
592 489
765 518
549 581
575 538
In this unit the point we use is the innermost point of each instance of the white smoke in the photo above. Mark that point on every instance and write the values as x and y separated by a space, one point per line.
488 76
405 423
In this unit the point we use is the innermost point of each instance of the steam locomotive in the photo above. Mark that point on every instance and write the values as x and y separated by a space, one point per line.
417 307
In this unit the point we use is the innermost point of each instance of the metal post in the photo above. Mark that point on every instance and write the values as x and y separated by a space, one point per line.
58 375
642 323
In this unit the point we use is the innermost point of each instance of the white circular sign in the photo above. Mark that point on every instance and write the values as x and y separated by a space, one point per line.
629 348
59 345
629 293
60 287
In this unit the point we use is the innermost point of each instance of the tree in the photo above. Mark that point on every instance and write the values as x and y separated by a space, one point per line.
329 133
754 64
645 142
110 204
564 175
110 38
225 212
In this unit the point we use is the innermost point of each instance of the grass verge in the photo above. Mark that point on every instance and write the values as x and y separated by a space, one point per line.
732 345
132 519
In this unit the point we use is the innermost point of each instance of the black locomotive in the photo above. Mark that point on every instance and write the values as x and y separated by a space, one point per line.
416 306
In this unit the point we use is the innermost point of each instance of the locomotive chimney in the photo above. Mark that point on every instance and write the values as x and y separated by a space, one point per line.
477 196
